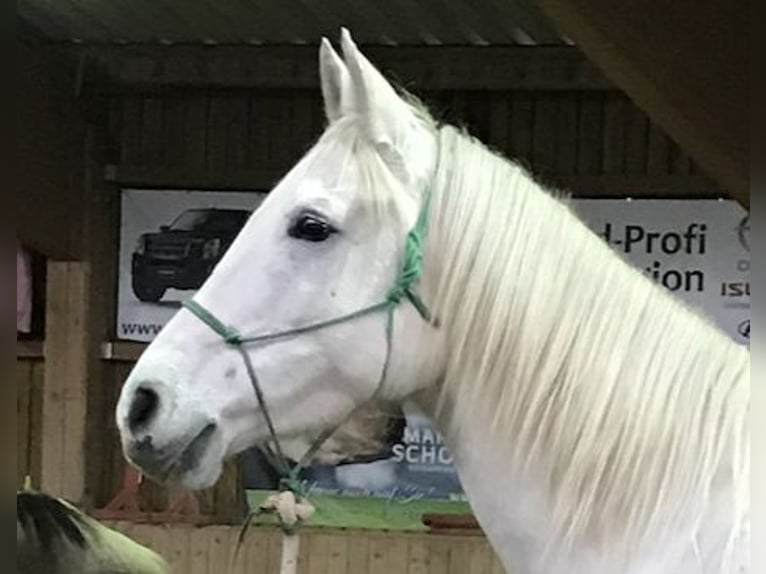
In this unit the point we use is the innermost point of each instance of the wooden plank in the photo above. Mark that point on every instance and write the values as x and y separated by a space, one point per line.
358 557
671 184
589 136
43 204
315 553
257 133
217 134
337 554
655 187
229 504
24 370
432 67
178 550
613 161
173 137
220 556
439 556
459 557
253 551
146 535
477 114
29 349
236 139
194 177
152 152
196 119
378 555
636 141
279 112
302 123
522 125
397 550
658 151
128 351
418 557
679 161
62 452
161 540
544 133
274 555
209 550
499 121
198 544
130 133
480 558
36 423
566 134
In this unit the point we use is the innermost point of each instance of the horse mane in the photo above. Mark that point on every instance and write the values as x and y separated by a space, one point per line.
54 537
49 519
632 404
629 406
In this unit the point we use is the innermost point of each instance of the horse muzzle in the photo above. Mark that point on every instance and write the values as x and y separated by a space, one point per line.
184 455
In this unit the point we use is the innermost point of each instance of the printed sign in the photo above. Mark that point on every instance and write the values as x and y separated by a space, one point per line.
698 249
169 243
171 240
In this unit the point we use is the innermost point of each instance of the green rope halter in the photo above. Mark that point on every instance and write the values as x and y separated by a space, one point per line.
404 288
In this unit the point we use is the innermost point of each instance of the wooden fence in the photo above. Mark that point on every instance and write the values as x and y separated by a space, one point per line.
211 550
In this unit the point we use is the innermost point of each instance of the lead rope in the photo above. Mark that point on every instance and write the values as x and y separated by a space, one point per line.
290 504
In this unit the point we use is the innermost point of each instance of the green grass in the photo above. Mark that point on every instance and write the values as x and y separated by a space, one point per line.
366 512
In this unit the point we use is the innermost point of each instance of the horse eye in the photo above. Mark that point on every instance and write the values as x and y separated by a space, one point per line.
310 227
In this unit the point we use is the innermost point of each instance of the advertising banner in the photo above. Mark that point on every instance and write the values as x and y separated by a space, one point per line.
169 243
170 240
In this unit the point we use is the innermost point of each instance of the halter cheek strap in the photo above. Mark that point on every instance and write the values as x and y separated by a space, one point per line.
403 288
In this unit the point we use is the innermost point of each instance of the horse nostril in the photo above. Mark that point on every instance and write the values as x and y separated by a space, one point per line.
143 408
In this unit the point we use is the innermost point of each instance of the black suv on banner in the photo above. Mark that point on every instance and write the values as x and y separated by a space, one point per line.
181 255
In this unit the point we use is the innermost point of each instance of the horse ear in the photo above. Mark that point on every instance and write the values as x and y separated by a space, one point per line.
387 117
336 82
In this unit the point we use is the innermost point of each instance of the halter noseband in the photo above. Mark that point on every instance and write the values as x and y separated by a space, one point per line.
403 288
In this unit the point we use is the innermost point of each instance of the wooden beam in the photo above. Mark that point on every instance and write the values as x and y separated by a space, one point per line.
122 351
43 199
425 68
65 380
170 178
29 349
654 186
79 315
637 186
684 63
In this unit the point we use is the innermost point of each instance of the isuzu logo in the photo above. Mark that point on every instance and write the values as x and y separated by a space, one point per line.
744 232
744 329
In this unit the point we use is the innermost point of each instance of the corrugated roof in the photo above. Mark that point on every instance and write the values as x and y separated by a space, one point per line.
391 22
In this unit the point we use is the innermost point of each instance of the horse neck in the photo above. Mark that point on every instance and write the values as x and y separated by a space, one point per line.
570 376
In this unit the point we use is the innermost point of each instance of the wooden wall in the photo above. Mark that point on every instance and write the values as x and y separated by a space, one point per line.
50 132
29 396
592 142
222 504
210 550
595 142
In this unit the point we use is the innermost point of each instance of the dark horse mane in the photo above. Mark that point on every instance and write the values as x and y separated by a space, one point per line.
49 527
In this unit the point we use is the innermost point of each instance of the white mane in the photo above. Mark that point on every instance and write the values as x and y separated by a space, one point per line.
633 403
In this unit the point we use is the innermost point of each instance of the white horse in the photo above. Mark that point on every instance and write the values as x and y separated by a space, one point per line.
599 425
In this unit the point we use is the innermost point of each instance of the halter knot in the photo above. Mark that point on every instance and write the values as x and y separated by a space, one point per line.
412 269
232 337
